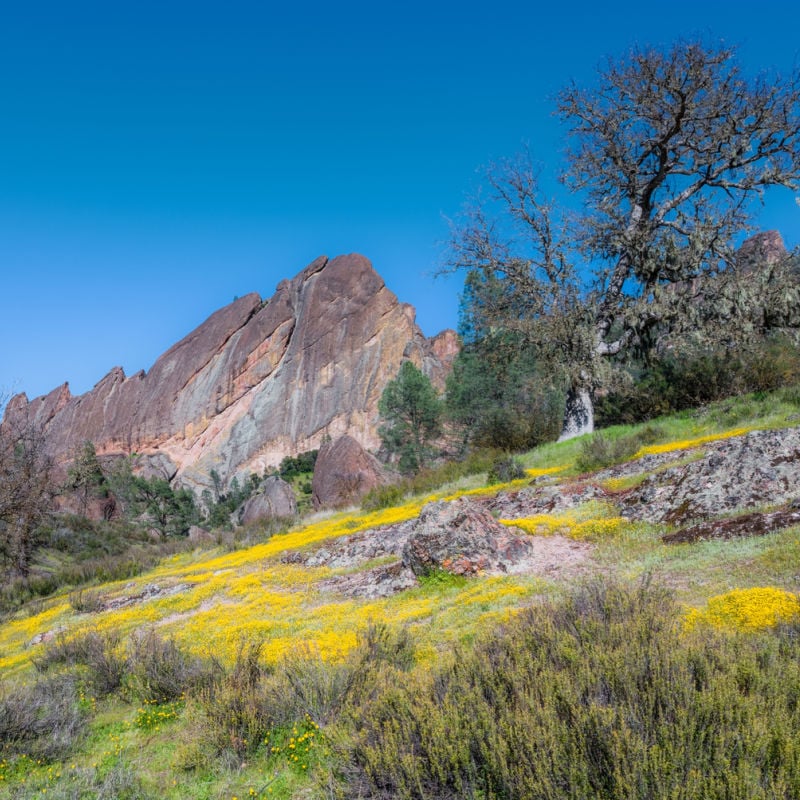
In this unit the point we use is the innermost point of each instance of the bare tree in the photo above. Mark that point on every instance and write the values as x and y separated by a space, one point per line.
26 492
666 154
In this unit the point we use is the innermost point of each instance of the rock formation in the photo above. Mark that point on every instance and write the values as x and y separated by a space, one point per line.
274 499
344 473
257 381
463 538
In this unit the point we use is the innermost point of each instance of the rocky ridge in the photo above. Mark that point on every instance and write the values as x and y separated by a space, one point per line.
257 381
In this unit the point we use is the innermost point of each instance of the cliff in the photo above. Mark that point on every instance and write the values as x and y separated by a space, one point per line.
257 381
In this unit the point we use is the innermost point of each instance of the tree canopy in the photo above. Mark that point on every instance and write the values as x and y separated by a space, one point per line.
411 414
665 154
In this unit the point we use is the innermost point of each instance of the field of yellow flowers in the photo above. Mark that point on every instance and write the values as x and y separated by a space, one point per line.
210 603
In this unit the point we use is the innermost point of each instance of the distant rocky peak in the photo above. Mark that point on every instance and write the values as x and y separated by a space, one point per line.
257 381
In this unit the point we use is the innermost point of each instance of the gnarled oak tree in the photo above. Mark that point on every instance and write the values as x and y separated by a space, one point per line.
665 155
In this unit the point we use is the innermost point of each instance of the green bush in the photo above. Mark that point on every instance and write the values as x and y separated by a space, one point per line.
678 382
382 497
600 451
603 696
504 469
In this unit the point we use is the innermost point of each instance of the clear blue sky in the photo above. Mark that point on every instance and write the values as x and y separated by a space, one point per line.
159 158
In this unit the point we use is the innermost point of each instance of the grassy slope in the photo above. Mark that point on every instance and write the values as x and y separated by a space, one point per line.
223 598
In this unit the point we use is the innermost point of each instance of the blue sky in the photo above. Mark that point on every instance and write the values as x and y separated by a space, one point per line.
159 158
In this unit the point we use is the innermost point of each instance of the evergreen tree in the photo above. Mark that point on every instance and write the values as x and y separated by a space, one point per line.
411 414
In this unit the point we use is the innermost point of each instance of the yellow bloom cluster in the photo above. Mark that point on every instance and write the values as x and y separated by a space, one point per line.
747 609
543 524
598 528
569 525
685 444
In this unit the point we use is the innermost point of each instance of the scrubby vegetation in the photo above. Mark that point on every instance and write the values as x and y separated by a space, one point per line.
233 673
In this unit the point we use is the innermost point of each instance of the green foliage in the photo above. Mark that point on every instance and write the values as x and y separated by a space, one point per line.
171 511
687 380
442 579
85 476
504 469
496 397
411 414
222 504
383 497
429 479
602 696
601 450
295 466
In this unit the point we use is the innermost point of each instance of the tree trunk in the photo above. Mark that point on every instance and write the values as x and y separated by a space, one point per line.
578 414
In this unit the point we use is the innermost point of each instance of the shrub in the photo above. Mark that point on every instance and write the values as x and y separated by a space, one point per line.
98 652
159 671
600 451
382 497
505 469
86 602
603 695
236 712
41 720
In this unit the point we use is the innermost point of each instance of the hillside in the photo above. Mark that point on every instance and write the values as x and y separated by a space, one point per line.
704 503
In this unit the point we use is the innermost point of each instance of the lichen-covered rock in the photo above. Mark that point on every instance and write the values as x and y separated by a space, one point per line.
463 538
344 473
257 381
759 468
274 500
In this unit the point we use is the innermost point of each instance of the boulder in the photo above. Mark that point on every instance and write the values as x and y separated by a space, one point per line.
344 473
200 537
463 538
741 473
274 499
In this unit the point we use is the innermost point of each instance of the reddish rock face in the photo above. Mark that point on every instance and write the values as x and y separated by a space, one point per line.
766 247
257 381
344 473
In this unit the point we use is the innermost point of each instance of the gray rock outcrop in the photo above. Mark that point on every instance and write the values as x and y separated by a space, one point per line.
274 500
759 468
463 538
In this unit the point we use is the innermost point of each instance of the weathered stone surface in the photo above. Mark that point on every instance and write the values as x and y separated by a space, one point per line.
346 552
371 584
759 468
462 537
257 381
544 499
766 247
754 524
344 473
274 499
200 537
